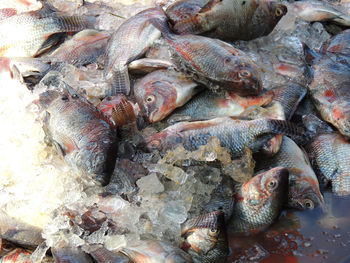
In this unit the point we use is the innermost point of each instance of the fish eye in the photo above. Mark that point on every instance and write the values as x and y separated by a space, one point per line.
64 97
308 204
74 96
154 144
213 231
245 73
150 99
272 184
279 11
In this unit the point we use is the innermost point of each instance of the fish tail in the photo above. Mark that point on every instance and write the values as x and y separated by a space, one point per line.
120 81
285 128
162 26
73 23
190 25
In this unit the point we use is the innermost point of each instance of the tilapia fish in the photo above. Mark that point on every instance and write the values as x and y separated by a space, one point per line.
34 32
209 105
259 201
84 48
161 92
184 9
130 41
118 109
330 156
78 130
206 239
330 88
153 251
70 255
213 62
304 190
230 19
233 134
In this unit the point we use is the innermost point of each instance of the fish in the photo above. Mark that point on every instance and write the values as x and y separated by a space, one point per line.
17 255
233 134
83 48
213 63
119 110
329 155
313 11
330 89
209 105
304 190
184 9
161 92
36 32
259 201
80 132
206 238
103 255
70 255
289 96
232 19
122 48
16 231
154 251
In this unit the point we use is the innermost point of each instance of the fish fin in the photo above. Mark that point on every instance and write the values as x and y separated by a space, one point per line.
162 26
286 128
73 23
49 42
120 81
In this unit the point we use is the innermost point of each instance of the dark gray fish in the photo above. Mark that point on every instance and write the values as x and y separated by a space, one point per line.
70 255
304 190
205 238
230 19
330 157
33 32
122 48
233 134
259 201
214 63
79 131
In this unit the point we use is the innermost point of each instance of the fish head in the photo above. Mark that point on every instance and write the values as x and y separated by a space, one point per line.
304 193
203 232
156 98
269 187
163 140
341 117
182 10
247 78
277 9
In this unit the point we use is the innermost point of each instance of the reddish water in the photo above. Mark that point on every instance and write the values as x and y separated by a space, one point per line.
301 236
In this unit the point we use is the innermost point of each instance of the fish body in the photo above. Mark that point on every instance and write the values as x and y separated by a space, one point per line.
80 132
304 190
232 19
259 201
206 238
213 62
84 48
330 88
161 92
130 41
153 251
209 105
233 134
33 32
330 156
70 255
17 255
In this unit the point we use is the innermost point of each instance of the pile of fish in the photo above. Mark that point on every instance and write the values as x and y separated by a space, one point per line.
196 119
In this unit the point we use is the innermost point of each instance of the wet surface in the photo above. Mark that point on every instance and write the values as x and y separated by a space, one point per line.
301 236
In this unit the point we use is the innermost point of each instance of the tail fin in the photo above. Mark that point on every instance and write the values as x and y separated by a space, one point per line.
120 81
